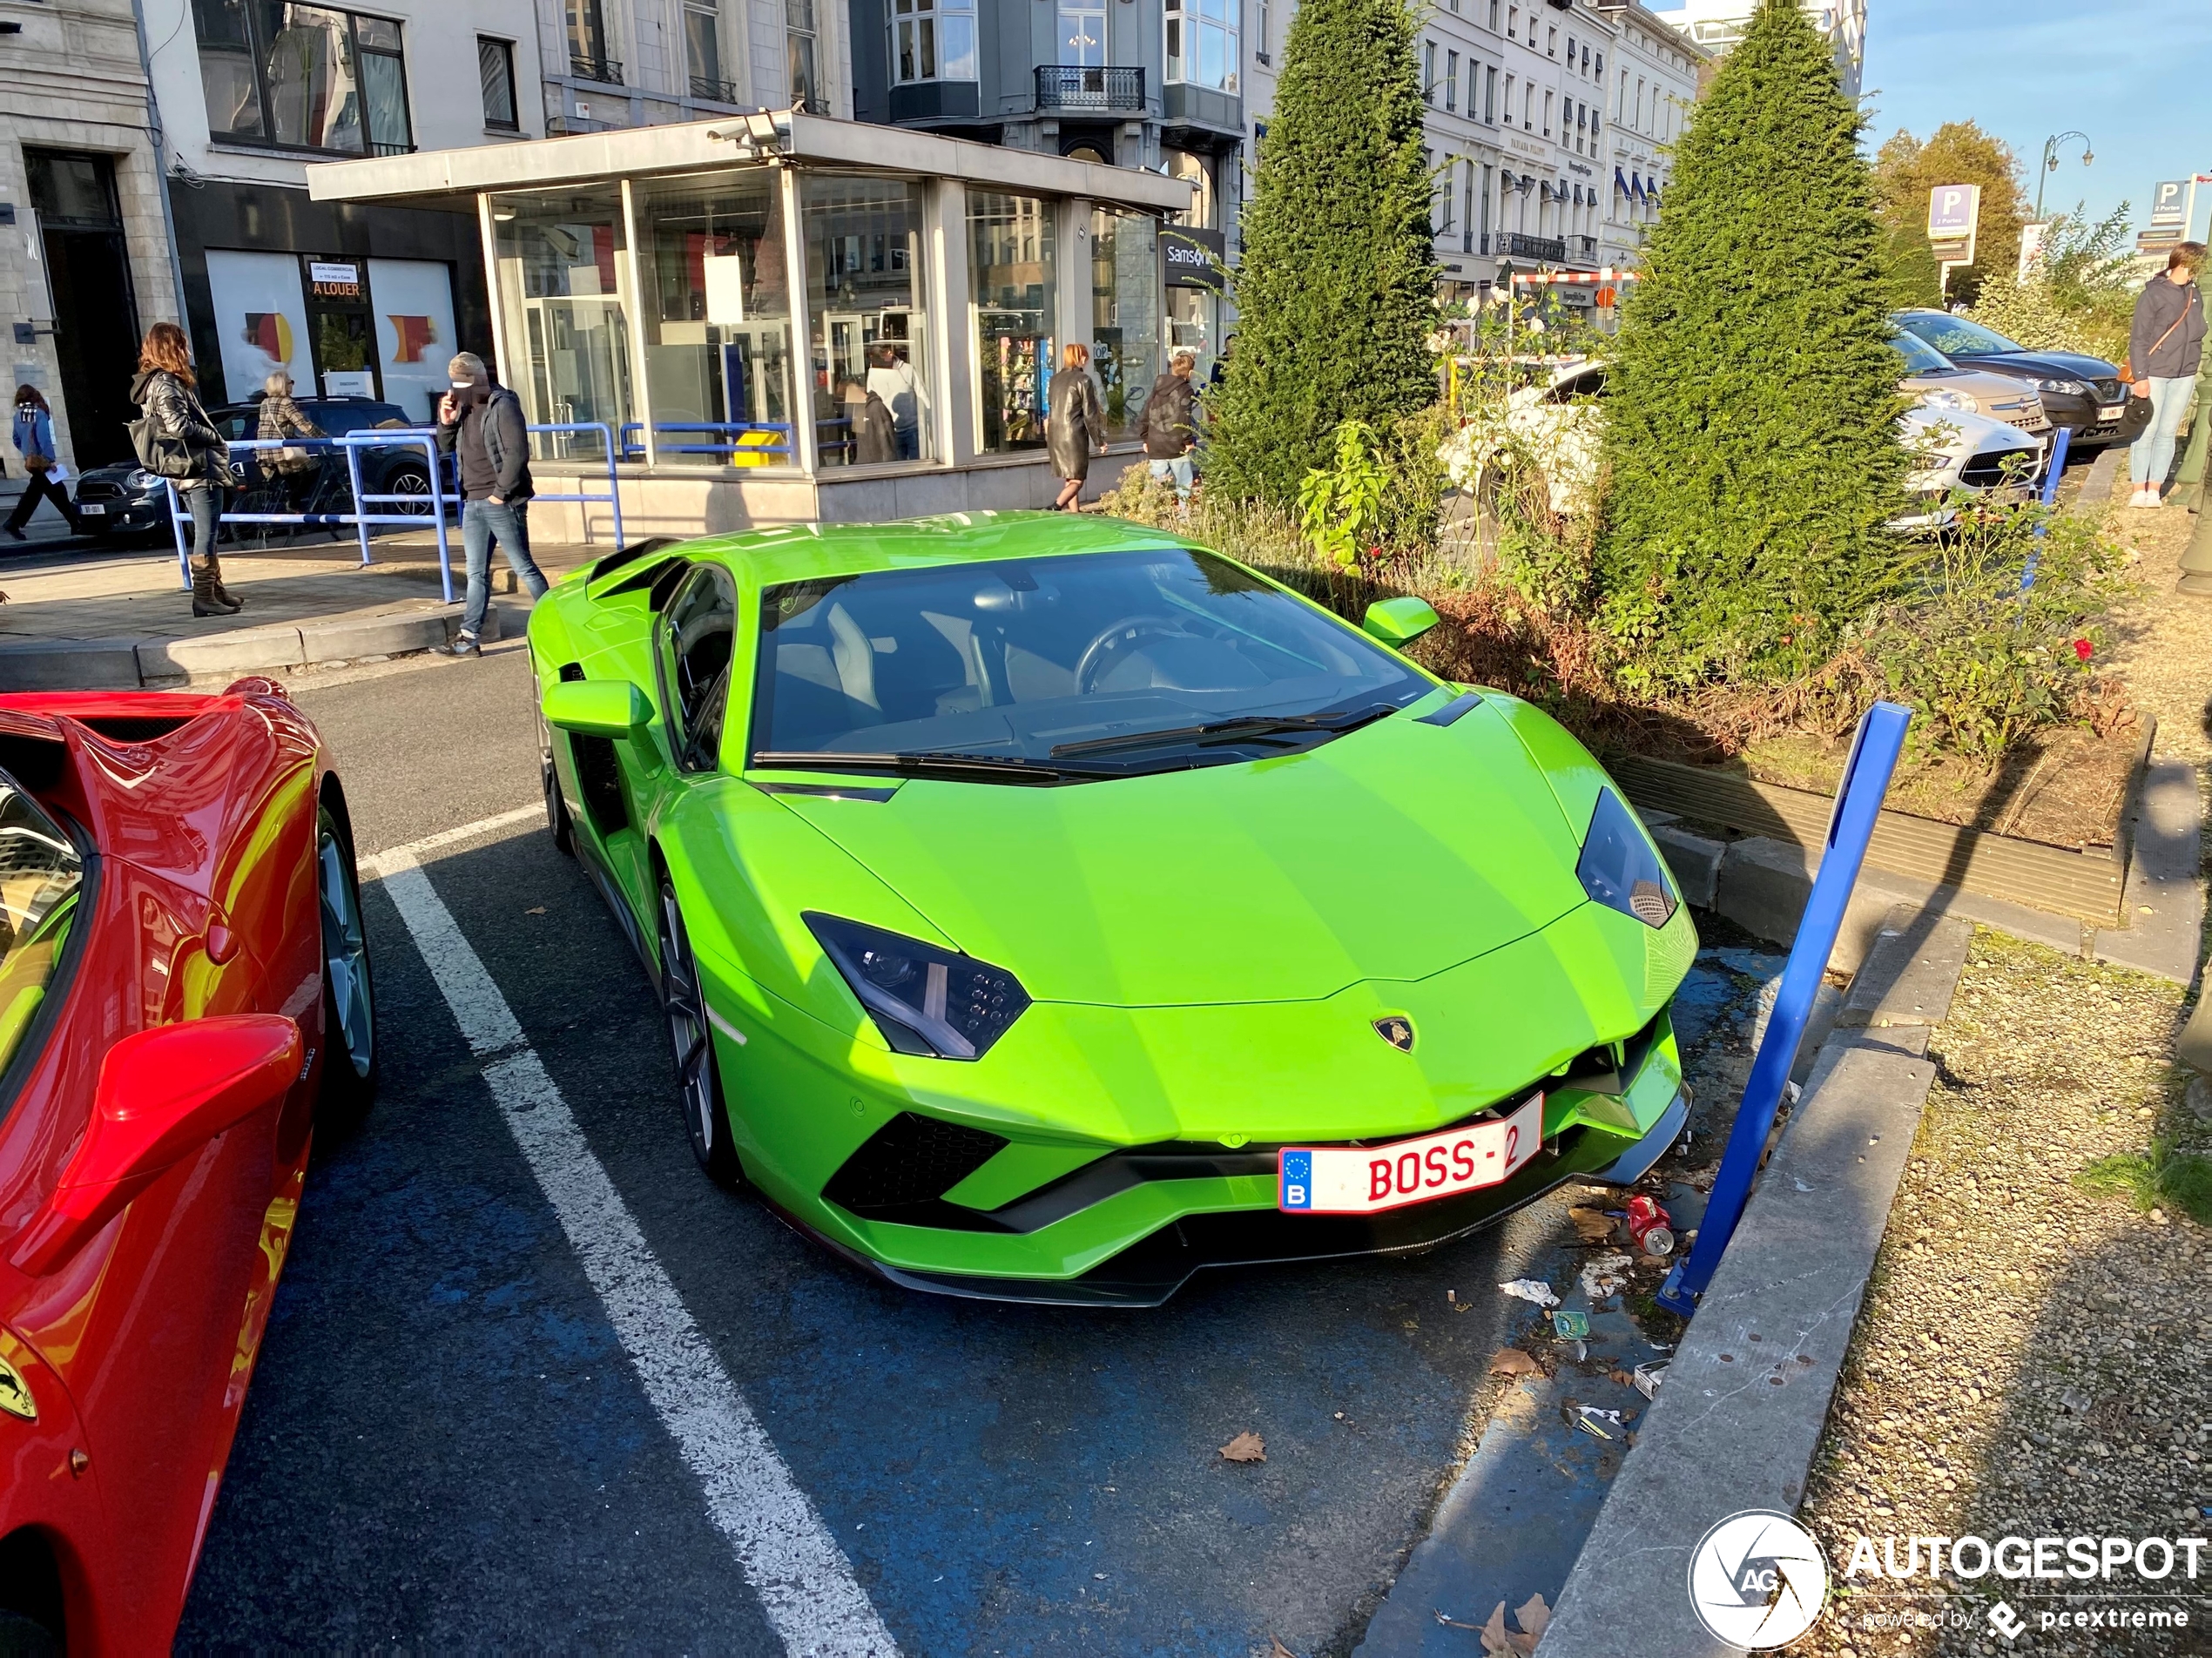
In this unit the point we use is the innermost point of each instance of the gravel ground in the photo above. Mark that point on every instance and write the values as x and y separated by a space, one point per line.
2031 1357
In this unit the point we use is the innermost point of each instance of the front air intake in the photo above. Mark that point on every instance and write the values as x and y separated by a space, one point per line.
910 1160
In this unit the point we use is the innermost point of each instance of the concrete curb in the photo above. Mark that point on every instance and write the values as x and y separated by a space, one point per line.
1745 1401
130 663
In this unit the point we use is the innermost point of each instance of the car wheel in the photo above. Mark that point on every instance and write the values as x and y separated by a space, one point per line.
350 1056
556 809
414 483
691 1042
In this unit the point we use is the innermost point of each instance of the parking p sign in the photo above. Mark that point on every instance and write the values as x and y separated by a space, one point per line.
1954 213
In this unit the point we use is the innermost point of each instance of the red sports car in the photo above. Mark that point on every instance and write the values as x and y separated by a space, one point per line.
184 993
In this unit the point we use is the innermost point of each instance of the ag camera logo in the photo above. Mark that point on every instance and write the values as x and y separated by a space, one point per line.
1757 1580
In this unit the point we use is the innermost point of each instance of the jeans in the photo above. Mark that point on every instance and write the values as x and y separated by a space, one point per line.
1179 470
205 503
482 523
2151 457
909 442
41 487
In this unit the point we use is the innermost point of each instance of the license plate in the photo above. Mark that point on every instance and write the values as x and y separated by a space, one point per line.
92 511
2111 411
1362 1180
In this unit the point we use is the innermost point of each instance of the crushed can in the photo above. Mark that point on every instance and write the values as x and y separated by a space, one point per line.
1650 1227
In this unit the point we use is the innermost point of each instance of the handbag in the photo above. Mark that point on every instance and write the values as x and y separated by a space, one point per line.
165 457
34 463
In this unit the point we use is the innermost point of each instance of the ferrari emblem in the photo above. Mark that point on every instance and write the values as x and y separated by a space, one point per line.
1398 1032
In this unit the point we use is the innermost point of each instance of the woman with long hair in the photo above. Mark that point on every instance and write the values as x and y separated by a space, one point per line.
1075 424
35 442
182 444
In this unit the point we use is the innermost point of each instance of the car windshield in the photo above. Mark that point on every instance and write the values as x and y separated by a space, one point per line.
40 877
1955 336
1099 663
1920 357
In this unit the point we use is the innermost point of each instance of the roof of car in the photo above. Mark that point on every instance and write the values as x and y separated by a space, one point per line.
807 552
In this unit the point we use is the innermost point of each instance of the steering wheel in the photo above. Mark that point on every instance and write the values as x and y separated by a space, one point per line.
1105 650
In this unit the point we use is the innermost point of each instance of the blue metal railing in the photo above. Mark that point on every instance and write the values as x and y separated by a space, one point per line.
613 497
728 440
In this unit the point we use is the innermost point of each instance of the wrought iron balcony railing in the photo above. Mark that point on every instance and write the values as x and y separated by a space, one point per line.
604 70
1542 248
714 91
1062 87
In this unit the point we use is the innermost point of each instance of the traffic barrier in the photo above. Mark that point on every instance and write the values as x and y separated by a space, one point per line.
2051 475
1874 754
351 444
613 497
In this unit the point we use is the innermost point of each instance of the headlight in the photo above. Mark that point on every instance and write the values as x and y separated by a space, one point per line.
1948 399
1621 868
924 999
2064 388
140 478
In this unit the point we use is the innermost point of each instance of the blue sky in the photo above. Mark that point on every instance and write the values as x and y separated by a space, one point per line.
2135 75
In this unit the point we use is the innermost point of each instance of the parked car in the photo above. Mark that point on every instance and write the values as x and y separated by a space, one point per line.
125 500
991 870
184 993
2082 394
1936 383
1953 447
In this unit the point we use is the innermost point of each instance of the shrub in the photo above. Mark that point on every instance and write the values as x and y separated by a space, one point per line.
1334 289
1751 430
1340 506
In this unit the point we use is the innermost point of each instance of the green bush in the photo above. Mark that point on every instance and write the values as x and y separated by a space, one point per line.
1340 506
1751 437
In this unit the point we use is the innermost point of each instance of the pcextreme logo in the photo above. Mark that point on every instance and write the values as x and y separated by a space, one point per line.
1757 1580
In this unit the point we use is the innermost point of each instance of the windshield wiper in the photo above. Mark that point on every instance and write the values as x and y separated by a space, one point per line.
987 767
1335 722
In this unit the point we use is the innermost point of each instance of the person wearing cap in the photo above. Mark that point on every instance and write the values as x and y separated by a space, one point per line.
482 425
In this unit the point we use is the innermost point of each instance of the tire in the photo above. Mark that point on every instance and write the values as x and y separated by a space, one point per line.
22 1637
409 481
698 1082
557 819
351 1052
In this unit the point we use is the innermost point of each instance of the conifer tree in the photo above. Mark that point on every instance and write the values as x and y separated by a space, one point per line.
1335 288
1750 436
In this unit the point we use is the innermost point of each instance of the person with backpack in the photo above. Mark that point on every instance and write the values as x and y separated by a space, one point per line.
176 440
1170 425
2165 347
482 424
34 442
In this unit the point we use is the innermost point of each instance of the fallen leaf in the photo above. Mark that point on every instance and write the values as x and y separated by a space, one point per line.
1594 1225
1534 1619
1495 1642
1245 1447
1276 1650
537 909
1511 1361
1620 1379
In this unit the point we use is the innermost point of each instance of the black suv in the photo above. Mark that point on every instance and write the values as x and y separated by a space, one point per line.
2082 394
126 500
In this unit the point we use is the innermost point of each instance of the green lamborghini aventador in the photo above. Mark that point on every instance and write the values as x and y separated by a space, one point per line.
1044 908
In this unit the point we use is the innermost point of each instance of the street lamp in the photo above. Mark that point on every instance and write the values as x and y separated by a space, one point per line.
2050 162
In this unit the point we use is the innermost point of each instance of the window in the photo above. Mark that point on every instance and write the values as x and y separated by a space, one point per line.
1494 16
703 51
1451 81
1485 208
1551 45
1509 100
304 78
1599 72
1490 92
587 27
1547 114
1528 106
697 634
560 282
1082 33
1010 286
1512 22
1201 48
865 305
1428 72
1124 313
1570 51
1181 164
1259 46
798 53
1467 212
933 40
496 71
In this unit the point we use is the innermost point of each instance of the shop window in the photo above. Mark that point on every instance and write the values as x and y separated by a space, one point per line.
1181 164
303 77
1010 266
718 319
562 290
1124 314
933 40
863 238
799 44
1202 43
496 73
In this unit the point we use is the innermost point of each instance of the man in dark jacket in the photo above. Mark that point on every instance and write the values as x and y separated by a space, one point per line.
483 425
1171 426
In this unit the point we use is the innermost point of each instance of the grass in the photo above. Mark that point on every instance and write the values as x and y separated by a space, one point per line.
2164 1178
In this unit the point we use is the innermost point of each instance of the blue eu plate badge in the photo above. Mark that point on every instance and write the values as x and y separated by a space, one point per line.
1296 1191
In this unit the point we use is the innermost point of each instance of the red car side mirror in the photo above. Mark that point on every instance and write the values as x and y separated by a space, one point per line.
163 1093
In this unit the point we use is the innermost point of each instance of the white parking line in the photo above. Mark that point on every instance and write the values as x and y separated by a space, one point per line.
803 1582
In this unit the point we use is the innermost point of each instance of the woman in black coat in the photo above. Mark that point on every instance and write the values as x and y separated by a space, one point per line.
1074 425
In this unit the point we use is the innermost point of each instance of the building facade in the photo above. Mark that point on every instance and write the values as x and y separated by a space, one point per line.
84 256
1657 76
613 63
1714 25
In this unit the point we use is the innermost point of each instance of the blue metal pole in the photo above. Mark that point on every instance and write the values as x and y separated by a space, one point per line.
177 528
1858 802
2050 498
438 514
614 482
353 478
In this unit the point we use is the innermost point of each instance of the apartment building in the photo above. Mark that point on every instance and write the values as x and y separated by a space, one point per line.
1715 25
1656 76
613 64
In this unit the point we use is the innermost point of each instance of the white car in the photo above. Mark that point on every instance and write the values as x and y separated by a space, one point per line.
1557 425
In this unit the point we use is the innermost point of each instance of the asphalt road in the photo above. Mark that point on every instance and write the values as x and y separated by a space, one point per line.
446 1445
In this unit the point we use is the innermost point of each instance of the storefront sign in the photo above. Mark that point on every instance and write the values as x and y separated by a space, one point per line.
330 282
1194 258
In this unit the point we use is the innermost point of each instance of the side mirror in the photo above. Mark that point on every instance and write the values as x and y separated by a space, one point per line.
597 707
1401 620
162 1094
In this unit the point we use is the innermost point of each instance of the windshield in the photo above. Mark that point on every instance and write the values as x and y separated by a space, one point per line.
1920 358
1103 664
1955 336
40 876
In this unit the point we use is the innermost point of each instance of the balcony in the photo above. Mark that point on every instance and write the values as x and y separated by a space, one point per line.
711 90
383 148
1514 243
1063 87
1586 246
605 70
